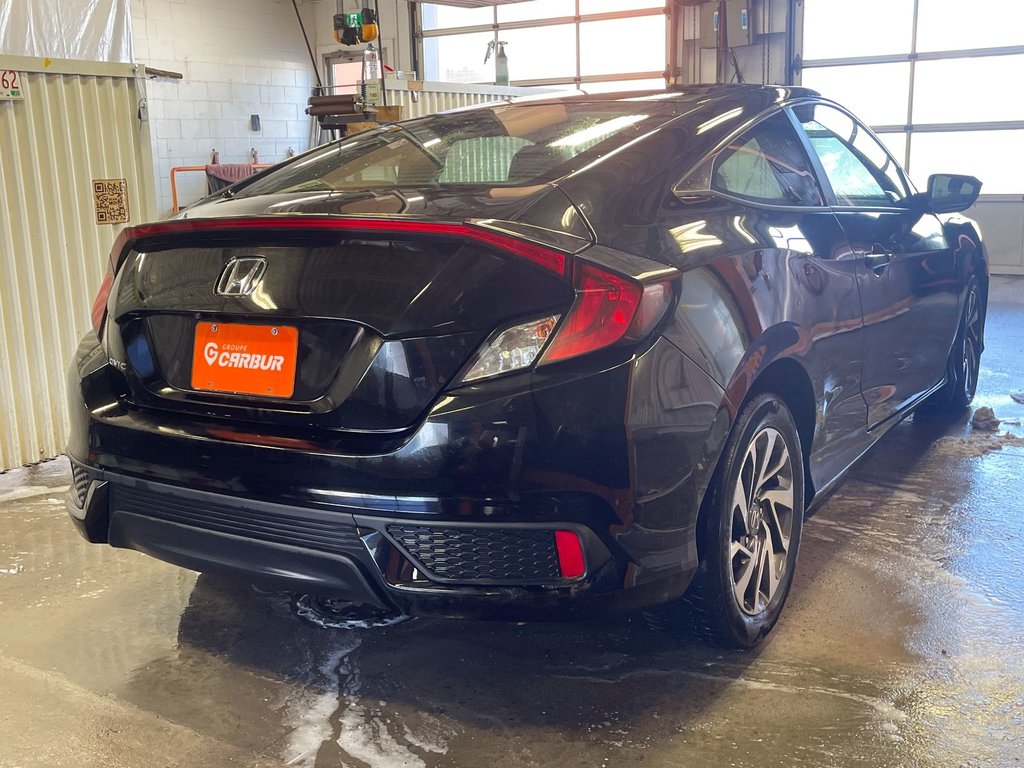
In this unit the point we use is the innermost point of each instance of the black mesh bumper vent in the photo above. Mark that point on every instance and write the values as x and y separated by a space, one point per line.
79 484
490 555
262 522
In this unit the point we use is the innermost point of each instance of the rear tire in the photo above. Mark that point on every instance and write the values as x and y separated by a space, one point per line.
964 363
751 525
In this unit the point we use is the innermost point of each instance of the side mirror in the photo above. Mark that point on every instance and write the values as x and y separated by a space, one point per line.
950 193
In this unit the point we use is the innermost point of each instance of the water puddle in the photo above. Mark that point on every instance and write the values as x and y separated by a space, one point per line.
977 444
332 710
26 492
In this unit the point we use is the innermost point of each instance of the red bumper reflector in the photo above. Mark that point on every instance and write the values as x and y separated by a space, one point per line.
570 554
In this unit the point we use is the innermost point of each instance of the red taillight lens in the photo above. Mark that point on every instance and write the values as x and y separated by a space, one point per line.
570 554
547 258
608 308
99 304
603 311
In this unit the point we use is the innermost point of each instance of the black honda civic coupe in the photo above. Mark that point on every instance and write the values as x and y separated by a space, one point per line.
527 360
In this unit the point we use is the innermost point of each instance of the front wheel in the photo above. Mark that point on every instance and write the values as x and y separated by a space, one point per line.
964 364
751 521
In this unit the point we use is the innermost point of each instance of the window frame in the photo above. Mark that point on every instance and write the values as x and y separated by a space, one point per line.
580 17
719 158
683 189
825 182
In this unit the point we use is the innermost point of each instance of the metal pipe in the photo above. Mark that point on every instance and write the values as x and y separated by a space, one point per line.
675 21
414 42
528 24
790 40
910 89
896 58
312 58
723 43
583 80
383 86
991 125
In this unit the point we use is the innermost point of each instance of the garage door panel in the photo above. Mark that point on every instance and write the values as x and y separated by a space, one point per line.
1002 227
70 129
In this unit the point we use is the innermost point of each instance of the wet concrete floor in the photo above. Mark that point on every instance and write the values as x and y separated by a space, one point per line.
902 644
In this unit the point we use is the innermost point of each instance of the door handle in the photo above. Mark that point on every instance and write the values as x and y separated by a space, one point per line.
877 262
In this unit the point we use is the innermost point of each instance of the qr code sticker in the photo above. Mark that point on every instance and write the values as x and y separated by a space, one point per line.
111 198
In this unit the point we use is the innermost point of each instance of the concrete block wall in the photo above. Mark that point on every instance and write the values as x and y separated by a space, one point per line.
238 58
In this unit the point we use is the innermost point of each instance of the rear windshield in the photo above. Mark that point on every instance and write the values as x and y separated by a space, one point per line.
501 145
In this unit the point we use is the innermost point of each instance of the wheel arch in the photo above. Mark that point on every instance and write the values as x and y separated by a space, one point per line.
980 268
969 248
787 378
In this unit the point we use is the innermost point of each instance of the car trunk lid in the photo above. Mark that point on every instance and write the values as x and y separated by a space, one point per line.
372 317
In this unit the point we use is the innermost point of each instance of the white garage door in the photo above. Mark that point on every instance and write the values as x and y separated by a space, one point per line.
939 80
75 167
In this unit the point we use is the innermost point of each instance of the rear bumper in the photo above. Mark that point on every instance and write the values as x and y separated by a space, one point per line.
347 555
155 519
305 512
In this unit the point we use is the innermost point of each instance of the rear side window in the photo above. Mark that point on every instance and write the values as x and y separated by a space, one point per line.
501 145
859 169
767 164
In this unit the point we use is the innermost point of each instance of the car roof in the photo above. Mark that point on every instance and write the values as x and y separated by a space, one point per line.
677 95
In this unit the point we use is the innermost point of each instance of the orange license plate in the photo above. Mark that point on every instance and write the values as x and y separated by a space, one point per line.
245 359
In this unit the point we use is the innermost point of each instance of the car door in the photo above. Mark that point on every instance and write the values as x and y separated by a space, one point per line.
905 267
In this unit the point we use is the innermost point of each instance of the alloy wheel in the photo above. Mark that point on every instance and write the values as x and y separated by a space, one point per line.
761 521
972 344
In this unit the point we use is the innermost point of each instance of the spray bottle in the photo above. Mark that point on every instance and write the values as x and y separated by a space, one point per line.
500 61
371 76
501 65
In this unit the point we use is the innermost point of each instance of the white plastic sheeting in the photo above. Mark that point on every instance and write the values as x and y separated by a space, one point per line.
89 30
76 123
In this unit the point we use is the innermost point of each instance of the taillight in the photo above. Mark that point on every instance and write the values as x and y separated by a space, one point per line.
608 309
512 349
99 304
117 253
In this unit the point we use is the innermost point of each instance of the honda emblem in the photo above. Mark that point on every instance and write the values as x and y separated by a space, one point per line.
241 276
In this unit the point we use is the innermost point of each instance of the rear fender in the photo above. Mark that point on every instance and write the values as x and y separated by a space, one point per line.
784 343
